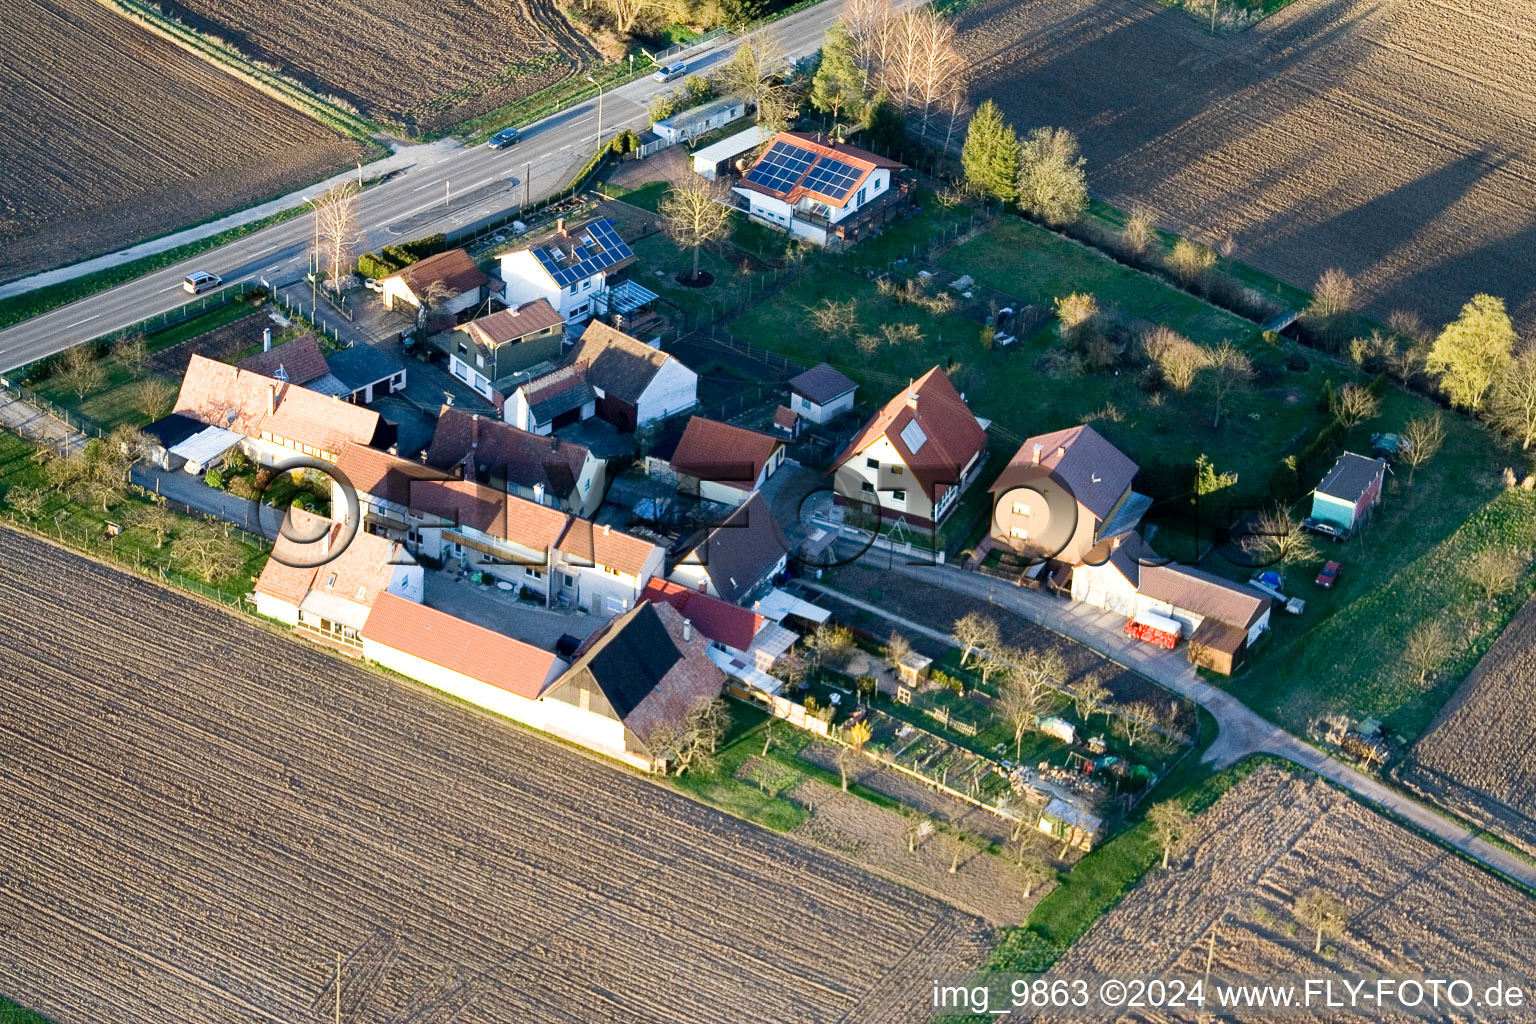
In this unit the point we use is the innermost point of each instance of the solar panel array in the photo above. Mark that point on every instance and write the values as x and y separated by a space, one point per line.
786 165
598 248
833 178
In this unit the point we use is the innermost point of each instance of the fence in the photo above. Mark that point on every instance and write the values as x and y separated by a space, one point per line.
182 313
662 56
295 310
72 420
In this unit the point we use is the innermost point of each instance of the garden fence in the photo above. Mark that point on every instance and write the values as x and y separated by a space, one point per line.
72 420
182 313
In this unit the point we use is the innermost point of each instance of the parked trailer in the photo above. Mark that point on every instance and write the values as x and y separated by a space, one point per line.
1154 629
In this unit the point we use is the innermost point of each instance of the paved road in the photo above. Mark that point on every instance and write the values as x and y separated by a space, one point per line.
443 187
1242 731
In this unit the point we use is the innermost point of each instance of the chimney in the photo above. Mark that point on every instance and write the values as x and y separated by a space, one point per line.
607 529
560 226
1114 544
538 493
271 399
1038 449
687 631
911 399
335 398
266 340
474 432
393 449
1061 451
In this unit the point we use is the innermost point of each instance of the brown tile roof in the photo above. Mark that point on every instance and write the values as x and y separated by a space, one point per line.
821 384
359 573
512 324
462 647
647 671
723 452
785 417
618 364
949 431
226 396
729 624
454 268
490 511
739 553
559 391
1095 471
381 474
605 546
299 358
526 458
1203 593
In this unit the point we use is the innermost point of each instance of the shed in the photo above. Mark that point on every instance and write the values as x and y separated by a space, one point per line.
821 393
367 373
206 449
715 159
1217 646
690 124
1072 825
914 668
1350 491
166 433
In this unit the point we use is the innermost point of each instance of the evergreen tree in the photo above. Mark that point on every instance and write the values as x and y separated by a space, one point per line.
887 130
991 154
838 86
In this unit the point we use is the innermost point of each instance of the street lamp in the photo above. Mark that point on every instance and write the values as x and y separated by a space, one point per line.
314 274
599 108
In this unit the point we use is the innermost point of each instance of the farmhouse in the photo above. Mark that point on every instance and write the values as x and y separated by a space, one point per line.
634 384
545 470
737 560
382 483
572 270
1063 494
915 457
298 361
446 284
1350 491
557 399
716 159
488 353
328 596
273 420
631 683
559 558
821 394
690 124
828 193
722 462
1220 618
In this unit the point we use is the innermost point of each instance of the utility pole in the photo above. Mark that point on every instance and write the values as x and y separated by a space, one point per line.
599 110
527 182
359 175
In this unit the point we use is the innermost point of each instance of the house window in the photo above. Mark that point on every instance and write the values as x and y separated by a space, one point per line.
1019 533
533 574
574 288
899 496
480 360
586 286
897 470
872 463
332 581
867 487
463 349
861 196
570 580
1021 508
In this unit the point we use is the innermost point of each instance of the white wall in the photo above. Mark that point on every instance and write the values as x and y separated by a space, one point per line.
674 389
273 608
481 694
603 734
820 413
878 182
526 280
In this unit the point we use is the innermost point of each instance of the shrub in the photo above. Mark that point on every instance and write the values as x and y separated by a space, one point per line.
369 265
213 478
421 248
1284 482
399 255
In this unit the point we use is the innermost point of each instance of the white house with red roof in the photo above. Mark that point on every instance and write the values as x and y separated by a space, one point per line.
723 462
915 457
828 193
745 644
324 579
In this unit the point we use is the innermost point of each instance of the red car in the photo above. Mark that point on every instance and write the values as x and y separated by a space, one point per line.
1329 576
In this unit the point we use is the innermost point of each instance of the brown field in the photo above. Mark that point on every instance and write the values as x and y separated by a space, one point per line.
199 815
1390 137
1479 756
427 65
1412 907
113 135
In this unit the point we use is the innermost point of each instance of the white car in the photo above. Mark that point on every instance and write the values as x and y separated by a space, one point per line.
200 281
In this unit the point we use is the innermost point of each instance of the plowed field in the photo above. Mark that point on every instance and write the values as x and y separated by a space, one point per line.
1411 908
1479 757
113 134
1393 138
428 64
198 816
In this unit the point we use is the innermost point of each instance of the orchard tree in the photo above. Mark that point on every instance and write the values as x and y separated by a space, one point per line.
1226 373
80 371
1053 184
975 634
1323 914
1473 351
693 215
991 154
1422 439
1170 821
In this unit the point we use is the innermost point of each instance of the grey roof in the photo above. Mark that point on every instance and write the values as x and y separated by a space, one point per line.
559 392
743 551
582 252
1095 471
821 384
169 431
361 365
1351 476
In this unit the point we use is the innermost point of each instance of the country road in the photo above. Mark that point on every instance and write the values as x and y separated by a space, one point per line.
1242 731
443 186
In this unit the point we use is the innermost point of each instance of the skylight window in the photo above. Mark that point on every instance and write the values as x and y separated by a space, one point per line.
913 436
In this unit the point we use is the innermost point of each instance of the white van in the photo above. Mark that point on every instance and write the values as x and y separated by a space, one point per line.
200 281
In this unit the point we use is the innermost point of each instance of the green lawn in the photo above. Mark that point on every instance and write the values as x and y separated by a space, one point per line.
732 285
10 1013
84 526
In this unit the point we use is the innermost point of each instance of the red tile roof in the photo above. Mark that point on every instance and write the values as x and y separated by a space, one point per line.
459 646
525 457
784 417
490 511
300 359
605 546
854 157
360 573
724 453
728 624
512 324
381 474
951 435
226 396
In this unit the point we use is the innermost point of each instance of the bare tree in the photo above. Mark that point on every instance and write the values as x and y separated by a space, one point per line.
1189 261
916 827
961 842
1333 294
1278 539
1422 440
80 371
856 735
1053 182
1496 570
1352 405
1227 371
1135 721
132 352
1139 231
1322 914
1170 821
755 69
1512 406
26 501
694 215
336 230
154 396
897 648
927 69
626 12
1089 696
774 730
688 744
870 24
974 633
154 518
207 551
833 317
1176 357
1032 868
1426 647
1024 695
